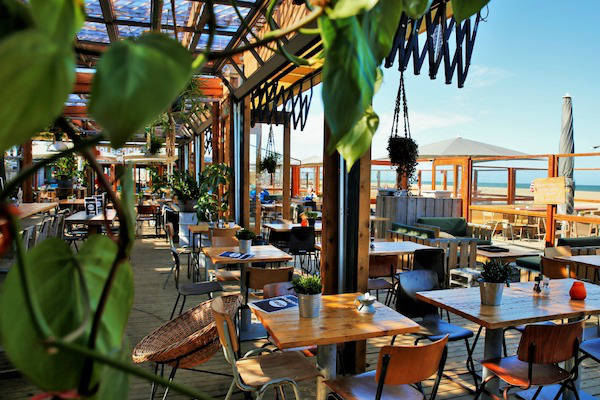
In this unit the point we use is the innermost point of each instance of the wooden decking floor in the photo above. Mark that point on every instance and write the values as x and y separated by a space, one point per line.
152 306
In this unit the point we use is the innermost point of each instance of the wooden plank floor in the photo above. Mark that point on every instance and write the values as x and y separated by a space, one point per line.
152 306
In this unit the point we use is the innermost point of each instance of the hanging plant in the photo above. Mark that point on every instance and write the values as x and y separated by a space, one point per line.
271 158
402 150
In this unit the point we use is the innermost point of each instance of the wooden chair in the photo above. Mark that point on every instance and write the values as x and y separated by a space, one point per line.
433 328
541 349
224 241
187 250
147 213
256 372
257 278
398 368
381 267
43 230
223 232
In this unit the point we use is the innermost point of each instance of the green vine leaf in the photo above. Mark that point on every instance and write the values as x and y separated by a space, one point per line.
356 142
60 295
135 81
380 25
35 83
59 19
463 9
416 8
349 8
14 16
128 200
349 76
114 383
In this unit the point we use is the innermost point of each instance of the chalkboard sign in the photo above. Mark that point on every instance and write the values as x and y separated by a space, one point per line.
91 205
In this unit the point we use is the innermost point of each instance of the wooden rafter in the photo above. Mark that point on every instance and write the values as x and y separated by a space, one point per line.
240 3
195 12
108 12
202 19
163 26
156 14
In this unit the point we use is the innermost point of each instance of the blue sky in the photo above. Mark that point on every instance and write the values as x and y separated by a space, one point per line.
527 56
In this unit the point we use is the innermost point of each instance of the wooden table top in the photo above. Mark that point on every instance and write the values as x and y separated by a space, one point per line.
271 205
267 253
82 218
396 248
204 227
519 305
71 202
338 322
590 260
29 209
512 253
374 218
279 227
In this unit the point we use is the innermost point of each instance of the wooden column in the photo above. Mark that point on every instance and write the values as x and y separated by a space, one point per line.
467 179
551 208
113 176
201 150
258 210
246 164
330 216
433 176
511 187
286 170
295 180
27 161
475 182
455 177
419 180
191 158
318 180
445 180
216 131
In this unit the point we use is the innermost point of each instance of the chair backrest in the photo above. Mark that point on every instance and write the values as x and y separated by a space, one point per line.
224 241
411 282
411 364
43 229
147 209
28 236
170 233
226 326
558 251
278 289
224 231
302 238
549 344
58 225
382 266
433 260
555 268
256 278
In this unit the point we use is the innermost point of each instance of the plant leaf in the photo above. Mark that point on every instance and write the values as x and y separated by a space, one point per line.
463 9
356 142
128 199
349 8
35 84
416 8
59 293
59 19
380 25
14 16
114 383
349 76
135 81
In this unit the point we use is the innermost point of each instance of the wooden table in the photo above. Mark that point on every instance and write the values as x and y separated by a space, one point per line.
396 248
519 306
29 209
93 222
592 261
338 322
280 227
506 256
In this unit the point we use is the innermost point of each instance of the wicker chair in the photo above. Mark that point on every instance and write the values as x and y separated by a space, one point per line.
186 341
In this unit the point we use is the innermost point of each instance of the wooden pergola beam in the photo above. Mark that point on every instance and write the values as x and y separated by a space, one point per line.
141 24
156 14
198 28
108 13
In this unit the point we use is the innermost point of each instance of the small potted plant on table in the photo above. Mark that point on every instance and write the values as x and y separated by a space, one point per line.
494 276
245 237
308 289
312 217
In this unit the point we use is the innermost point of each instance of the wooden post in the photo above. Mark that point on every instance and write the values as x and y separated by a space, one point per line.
551 208
330 216
433 175
419 180
287 188
467 179
216 130
512 186
455 177
295 180
475 182
404 182
191 158
28 182
113 175
444 179
258 210
201 150
318 180
246 165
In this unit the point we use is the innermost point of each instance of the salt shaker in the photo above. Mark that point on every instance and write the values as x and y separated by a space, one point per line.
546 287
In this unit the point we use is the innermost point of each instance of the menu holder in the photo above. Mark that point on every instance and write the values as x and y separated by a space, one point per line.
236 255
91 206
275 304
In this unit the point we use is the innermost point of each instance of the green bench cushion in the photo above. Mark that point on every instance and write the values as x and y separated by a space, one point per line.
588 241
452 225
422 233
530 262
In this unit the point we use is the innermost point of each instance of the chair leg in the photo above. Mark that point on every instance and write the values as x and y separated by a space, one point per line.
175 307
393 340
537 392
482 386
153 390
171 376
168 276
504 343
230 391
182 304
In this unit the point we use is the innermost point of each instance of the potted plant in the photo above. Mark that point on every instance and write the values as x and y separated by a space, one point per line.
186 189
269 163
494 276
245 236
312 217
308 289
65 169
403 152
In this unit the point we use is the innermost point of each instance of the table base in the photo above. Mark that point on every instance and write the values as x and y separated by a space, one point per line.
327 365
549 392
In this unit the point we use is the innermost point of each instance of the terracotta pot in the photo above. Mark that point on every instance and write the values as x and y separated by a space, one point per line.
578 291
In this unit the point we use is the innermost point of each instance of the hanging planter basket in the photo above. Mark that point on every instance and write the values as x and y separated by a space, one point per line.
403 151
271 158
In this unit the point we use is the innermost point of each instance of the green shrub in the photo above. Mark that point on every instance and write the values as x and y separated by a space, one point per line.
307 285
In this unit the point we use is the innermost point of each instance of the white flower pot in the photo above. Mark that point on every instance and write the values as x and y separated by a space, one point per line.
309 305
245 246
491 293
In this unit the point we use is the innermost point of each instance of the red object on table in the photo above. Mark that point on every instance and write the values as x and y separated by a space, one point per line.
578 291
304 222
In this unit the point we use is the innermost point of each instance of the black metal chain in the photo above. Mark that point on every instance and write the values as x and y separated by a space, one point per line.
401 98
270 142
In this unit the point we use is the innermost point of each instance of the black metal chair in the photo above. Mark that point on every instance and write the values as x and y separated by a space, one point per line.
302 245
432 260
433 327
